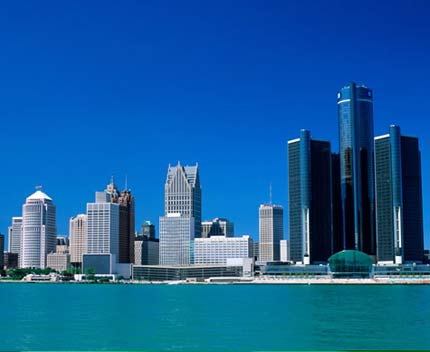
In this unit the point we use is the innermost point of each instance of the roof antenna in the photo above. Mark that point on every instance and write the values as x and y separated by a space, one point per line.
270 193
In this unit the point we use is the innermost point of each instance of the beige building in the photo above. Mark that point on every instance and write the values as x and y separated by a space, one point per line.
78 238
58 261
271 231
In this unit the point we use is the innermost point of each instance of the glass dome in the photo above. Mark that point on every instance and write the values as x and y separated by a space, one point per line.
350 263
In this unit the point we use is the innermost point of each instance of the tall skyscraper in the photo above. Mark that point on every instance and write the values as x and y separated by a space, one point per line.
15 235
103 226
183 195
355 112
217 227
399 225
271 232
39 230
148 230
78 239
310 199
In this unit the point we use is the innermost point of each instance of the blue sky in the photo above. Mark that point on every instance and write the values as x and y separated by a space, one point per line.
91 89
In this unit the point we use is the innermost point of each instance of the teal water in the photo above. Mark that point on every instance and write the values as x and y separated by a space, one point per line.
213 317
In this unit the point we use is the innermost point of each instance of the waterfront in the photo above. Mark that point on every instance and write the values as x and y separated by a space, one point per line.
214 317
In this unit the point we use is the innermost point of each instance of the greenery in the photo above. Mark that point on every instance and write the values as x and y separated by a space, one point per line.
19 273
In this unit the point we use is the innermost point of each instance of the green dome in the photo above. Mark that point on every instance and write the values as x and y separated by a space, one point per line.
350 263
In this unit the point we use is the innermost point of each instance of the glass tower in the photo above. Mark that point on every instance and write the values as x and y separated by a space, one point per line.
355 112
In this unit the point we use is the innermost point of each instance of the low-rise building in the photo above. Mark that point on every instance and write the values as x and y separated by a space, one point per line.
58 261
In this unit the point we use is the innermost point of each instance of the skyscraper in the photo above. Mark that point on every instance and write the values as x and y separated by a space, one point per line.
271 232
355 112
15 236
183 195
1 252
399 225
217 227
39 230
78 239
148 230
310 199
103 226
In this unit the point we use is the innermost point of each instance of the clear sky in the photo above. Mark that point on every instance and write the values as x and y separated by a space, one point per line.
91 89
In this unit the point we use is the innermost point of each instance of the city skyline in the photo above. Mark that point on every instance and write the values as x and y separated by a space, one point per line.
211 95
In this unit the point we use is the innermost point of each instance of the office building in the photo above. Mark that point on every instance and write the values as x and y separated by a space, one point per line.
336 204
217 249
217 227
176 239
310 199
1 251
58 261
62 244
355 112
399 217
78 239
146 251
256 251
15 235
148 230
183 195
271 232
285 251
10 260
103 226
39 230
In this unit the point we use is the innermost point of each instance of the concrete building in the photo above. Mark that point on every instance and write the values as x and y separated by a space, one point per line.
285 251
62 244
39 230
146 251
217 227
256 251
399 214
217 249
182 194
148 230
10 260
58 261
271 232
15 235
103 226
78 239
176 239
1 251
310 217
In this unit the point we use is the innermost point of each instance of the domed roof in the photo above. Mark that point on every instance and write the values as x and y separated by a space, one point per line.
39 195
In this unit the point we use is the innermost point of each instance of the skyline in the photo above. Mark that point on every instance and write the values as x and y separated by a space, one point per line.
138 95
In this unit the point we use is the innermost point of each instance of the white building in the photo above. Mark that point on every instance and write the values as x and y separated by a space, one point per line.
15 235
217 249
103 226
176 239
271 230
39 230
285 251
217 227
58 261
78 238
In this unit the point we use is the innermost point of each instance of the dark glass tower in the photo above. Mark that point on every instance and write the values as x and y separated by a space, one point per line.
399 217
355 112
309 199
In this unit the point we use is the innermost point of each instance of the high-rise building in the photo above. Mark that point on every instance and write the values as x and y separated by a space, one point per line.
176 239
399 217
1 251
15 235
271 232
39 230
355 112
10 260
310 199
217 227
146 250
217 249
336 204
183 195
103 226
78 239
148 230
62 244
285 251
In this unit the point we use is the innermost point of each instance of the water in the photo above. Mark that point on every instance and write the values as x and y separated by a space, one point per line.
213 317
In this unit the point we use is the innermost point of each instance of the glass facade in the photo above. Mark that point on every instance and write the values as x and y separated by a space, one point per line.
355 112
350 263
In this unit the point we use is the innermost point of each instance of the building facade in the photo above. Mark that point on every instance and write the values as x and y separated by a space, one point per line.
39 230
183 195
399 219
146 251
355 113
62 245
103 226
58 261
310 214
148 230
217 249
15 235
285 251
1 251
176 239
217 227
78 238
271 232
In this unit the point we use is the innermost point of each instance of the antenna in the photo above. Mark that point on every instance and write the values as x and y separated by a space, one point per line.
112 179
270 193
38 187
